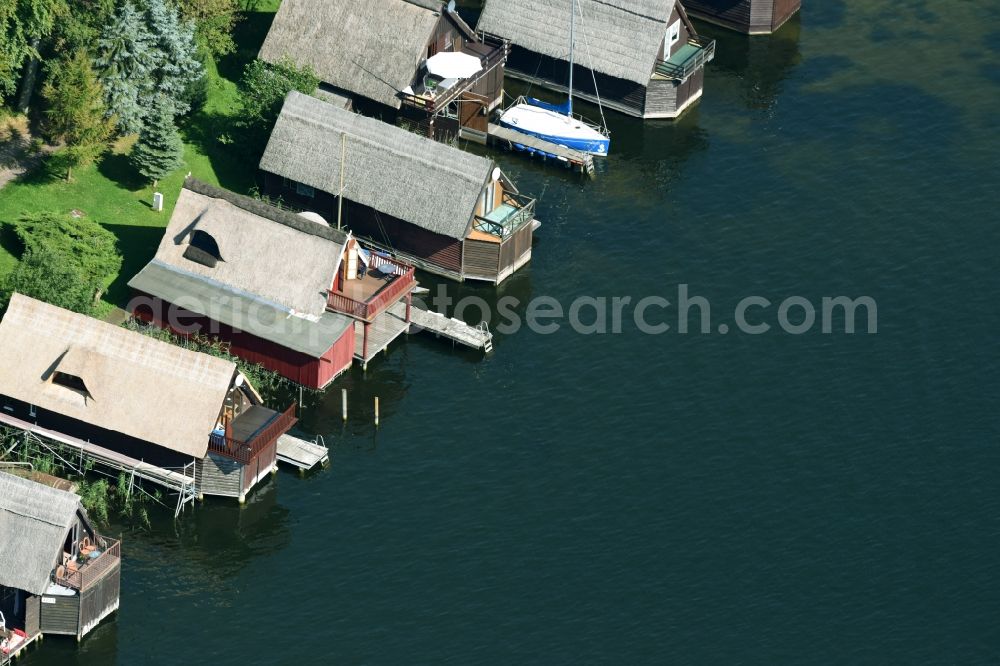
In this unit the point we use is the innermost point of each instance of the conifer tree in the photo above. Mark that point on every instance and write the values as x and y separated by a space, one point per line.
23 25
127 57
159 149
178 66
76 113
147 51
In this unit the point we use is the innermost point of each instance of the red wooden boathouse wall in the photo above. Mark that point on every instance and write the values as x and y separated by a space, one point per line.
300 368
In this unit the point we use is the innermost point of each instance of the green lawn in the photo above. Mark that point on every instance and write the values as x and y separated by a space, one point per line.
113 194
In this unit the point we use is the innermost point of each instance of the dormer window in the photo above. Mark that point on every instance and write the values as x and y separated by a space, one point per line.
71 382
203 249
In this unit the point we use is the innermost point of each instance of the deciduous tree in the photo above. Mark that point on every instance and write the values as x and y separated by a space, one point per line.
263 89
214 22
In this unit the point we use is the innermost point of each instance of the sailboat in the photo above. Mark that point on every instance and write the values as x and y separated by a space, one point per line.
556 123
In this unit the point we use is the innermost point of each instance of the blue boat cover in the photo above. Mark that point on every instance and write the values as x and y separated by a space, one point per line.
563 108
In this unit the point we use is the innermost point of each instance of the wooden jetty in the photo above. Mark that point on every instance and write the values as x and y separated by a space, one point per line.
510 139
456 330
302 454
182 481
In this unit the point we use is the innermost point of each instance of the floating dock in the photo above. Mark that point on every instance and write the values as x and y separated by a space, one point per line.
456 330
302 454
508 138
6 659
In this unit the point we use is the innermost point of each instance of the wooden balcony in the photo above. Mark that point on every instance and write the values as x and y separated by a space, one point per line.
513 211
385 282
110 555
243 442
430 97
687 60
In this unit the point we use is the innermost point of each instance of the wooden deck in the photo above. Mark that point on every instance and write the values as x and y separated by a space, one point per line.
250 422
453 329
6 659
381 332
363 288
300 453
507 138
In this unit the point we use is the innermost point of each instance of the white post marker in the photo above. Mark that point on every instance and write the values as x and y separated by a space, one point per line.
157 202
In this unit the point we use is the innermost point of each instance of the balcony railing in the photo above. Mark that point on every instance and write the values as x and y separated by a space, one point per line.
90 571
244 452
402 282
490 53
523 210
680 71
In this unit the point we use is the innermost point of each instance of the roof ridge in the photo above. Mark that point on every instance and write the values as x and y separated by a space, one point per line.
429 5
628 11
266 211
389 148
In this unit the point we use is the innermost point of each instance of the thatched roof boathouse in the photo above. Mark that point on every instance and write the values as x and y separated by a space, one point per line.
754 17
58 575
282 289
378 50
445 210
185 420
645 55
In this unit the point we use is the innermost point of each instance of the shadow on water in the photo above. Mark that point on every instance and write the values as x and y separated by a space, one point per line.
386 379
100 646
760 64
217 537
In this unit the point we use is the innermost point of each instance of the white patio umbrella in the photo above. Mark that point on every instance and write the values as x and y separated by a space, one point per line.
453 65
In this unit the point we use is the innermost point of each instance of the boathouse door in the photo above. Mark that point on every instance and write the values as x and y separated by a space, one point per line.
673 36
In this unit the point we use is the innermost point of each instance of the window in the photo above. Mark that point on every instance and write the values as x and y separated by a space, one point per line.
203 249
673 36
449 41
70 381
305 190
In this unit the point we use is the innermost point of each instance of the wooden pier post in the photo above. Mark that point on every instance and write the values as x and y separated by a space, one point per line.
376 411
343 403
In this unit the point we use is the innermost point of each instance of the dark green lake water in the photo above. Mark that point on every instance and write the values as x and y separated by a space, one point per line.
676 498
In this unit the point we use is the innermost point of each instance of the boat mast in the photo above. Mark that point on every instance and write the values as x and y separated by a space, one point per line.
572 26
340 197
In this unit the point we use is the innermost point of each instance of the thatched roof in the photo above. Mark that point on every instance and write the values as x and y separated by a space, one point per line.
426 183
620 38
34 522
371 48
310 335
272 280
135 385
266 252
